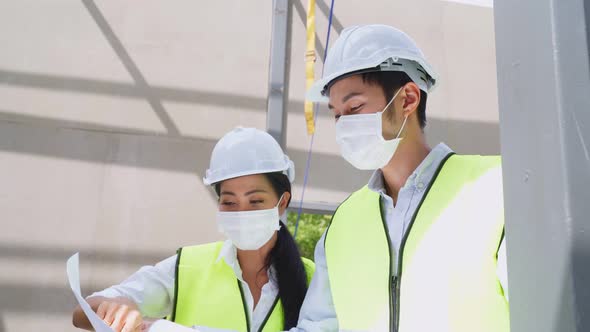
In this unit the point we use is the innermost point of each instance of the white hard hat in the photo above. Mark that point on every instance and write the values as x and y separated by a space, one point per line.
373 48
246 151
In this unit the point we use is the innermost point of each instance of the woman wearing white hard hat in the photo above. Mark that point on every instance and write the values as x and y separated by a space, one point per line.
254 281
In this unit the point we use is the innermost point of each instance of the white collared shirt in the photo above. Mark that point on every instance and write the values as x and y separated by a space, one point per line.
152 288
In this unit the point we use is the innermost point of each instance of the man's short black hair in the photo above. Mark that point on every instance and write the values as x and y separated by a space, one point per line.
390 82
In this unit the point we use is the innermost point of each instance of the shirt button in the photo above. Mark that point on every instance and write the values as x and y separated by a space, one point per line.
420 185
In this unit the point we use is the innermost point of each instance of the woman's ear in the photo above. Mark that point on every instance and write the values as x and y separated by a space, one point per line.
284 202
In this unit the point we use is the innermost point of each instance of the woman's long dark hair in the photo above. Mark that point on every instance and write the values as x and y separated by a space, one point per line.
286 260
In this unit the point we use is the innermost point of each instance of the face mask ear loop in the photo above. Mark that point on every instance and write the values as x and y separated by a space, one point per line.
386 108
277 206
279 202
391 101
402 128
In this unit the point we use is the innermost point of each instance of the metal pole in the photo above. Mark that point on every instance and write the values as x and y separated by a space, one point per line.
276 116
544 97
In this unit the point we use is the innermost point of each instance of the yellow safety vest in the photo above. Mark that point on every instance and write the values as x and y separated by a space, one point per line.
207 292
446 275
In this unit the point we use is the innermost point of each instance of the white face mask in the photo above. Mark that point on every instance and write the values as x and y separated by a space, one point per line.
361 141
249 230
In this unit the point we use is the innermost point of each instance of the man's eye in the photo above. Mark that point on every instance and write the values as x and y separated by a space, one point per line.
356 108
258 201
227 203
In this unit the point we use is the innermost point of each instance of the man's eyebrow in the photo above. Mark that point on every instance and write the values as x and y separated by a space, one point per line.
346 98
255 191
350 95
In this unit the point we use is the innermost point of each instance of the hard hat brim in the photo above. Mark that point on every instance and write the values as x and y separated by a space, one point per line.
314 94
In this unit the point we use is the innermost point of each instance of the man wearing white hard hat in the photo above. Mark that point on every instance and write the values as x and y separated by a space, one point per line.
420 247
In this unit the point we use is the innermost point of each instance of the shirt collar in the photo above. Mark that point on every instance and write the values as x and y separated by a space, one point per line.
229 254
421 176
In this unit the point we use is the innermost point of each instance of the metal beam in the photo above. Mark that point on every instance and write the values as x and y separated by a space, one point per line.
276 118
543 89
313 207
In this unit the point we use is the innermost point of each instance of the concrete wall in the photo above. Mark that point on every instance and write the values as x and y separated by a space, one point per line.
109 111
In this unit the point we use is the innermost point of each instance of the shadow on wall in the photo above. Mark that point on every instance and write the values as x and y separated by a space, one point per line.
465 137
461 136
118 89
59 299
60 255
131 67
37 299
186 154
140 87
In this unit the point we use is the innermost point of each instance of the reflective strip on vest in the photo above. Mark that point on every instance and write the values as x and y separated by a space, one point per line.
447 277
209 294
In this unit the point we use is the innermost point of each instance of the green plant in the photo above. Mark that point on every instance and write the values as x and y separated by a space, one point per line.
311 228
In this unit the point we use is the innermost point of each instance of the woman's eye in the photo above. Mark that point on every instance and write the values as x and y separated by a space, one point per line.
227 203
257 201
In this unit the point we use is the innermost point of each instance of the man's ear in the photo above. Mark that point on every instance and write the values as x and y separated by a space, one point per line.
411 94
